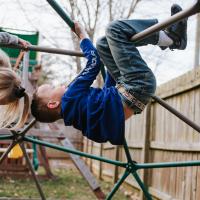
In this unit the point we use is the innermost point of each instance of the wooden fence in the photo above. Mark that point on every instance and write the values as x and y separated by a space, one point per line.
158 136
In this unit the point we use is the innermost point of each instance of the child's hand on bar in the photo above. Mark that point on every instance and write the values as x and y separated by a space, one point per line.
80 31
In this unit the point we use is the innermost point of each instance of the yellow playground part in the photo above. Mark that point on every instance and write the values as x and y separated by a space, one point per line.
16 152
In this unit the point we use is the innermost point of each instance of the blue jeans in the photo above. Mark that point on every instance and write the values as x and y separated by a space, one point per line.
123 60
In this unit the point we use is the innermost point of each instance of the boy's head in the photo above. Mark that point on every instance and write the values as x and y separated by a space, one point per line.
46 102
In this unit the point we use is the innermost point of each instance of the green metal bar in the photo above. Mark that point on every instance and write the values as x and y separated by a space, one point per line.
32 172
28 127
117 185
177 113
127 152
62 13
142 186
167 164
6 137
103 71
66 18
4 155
68 150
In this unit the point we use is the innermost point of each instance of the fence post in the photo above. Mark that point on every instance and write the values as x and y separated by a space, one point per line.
116 170
91 152
100 163
146 149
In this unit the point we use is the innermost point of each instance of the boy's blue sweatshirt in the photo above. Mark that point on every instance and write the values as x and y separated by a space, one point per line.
98 113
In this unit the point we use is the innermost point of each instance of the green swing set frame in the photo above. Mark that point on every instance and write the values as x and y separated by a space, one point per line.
130 167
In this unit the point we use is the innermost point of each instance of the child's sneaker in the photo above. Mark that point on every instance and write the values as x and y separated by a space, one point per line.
177 32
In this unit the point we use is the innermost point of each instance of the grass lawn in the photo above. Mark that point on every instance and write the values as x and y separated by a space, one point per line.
69 186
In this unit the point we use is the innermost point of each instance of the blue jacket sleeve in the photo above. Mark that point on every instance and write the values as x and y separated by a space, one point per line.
85 79
109 81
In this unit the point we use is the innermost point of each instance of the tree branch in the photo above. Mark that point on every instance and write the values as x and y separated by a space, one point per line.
82 18
132 7
88 13
97 13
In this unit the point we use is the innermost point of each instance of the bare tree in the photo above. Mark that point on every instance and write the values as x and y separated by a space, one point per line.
94 15
91 13
197 48
88 12
118 9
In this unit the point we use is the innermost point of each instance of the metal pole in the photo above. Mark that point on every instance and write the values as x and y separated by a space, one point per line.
167 164
6 137
127 152
61 12
137 37
103 71
176 113
173 19
80 153
32 172
28 127
142 186
3 157
45 49
117 185
15 141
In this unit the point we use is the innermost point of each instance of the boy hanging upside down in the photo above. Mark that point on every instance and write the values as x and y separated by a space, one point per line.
100 113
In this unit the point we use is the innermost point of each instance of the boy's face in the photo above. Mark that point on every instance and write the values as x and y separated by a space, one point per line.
49 92
46 104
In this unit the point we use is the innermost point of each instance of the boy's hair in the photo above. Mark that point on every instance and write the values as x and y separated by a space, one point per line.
40 110
13 110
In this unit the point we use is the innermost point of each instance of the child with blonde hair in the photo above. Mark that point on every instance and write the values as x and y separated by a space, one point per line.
11 91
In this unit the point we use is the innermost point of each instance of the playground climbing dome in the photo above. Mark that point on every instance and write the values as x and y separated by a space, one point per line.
130 167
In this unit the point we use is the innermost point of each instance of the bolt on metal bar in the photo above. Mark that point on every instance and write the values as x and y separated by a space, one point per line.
32 172
173 19
68 150
177 113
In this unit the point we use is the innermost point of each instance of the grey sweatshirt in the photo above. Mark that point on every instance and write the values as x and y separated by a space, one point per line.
6 38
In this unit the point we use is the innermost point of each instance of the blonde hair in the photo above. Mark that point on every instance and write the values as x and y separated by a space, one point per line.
13 109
